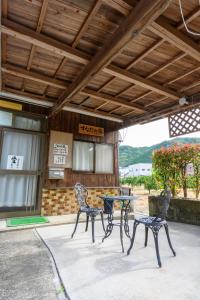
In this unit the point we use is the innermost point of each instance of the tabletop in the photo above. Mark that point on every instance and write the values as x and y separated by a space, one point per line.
119 198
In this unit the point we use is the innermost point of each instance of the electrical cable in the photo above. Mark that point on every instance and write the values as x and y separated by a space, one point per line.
56 267
184 22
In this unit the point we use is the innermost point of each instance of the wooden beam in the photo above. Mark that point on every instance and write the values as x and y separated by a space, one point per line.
143 82
166 31
144 13
111 99
31 75
30 36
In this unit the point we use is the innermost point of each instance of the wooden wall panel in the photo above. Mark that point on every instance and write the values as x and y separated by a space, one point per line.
68 122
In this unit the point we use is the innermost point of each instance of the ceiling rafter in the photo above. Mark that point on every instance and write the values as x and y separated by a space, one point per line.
111 99
195 13
144 13
166 31
32 75
69 106
138 80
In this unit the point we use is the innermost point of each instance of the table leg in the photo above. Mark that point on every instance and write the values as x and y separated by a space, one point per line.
126 225
109 227
121 229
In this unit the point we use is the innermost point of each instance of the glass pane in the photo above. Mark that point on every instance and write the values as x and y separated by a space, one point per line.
18 190
26 123
83 155
22 149
5 118
104 158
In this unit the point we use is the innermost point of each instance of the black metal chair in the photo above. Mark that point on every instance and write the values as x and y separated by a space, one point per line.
81 194
155 223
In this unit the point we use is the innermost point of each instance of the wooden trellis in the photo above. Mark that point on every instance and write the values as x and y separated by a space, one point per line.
184 122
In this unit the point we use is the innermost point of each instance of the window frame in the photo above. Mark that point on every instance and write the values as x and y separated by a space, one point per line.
94 158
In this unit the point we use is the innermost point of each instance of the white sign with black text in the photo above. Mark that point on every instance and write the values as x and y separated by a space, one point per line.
15 162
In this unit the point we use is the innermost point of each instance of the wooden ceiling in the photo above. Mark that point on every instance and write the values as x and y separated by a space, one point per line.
126 59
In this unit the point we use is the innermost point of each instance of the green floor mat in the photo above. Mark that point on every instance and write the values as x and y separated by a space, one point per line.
13 222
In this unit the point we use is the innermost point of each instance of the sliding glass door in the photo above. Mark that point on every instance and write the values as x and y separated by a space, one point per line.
20 170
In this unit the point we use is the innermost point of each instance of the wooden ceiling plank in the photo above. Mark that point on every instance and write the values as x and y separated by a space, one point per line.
144 54
141 96
137 21
100 106
38 29
115 109
193 15
190 86
30 36
111 99
167 64
81 32
143 82
182 76
31 75
166 31
156 101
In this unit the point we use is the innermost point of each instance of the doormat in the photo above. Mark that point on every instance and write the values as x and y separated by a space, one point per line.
14 222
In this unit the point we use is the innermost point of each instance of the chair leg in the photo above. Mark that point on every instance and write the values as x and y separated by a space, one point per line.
102 221
92 221
133 237
87 220
168 238
78 214
146 236
155 235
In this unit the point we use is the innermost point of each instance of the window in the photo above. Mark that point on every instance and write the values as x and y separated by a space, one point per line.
83 156
104 158
5 118
90 157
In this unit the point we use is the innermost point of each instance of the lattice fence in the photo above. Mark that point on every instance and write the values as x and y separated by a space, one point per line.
184 122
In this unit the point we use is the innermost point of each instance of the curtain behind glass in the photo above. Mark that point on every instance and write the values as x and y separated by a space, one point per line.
83 155
18 190
21 144
104 158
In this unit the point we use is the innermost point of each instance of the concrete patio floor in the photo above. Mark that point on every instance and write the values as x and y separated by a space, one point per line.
100 271
26 271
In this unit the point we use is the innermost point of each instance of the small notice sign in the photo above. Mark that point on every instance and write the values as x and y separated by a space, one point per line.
15 162
91 130
60 149
59 159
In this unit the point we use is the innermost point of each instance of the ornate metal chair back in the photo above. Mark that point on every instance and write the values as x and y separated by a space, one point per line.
125 191
163 203
81 194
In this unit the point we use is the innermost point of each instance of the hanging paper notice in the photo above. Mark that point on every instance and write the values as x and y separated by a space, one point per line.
60 149
59 160
15 162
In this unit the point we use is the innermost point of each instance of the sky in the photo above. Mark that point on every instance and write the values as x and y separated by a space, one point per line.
149 134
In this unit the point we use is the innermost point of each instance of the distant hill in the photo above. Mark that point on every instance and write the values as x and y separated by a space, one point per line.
132 155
